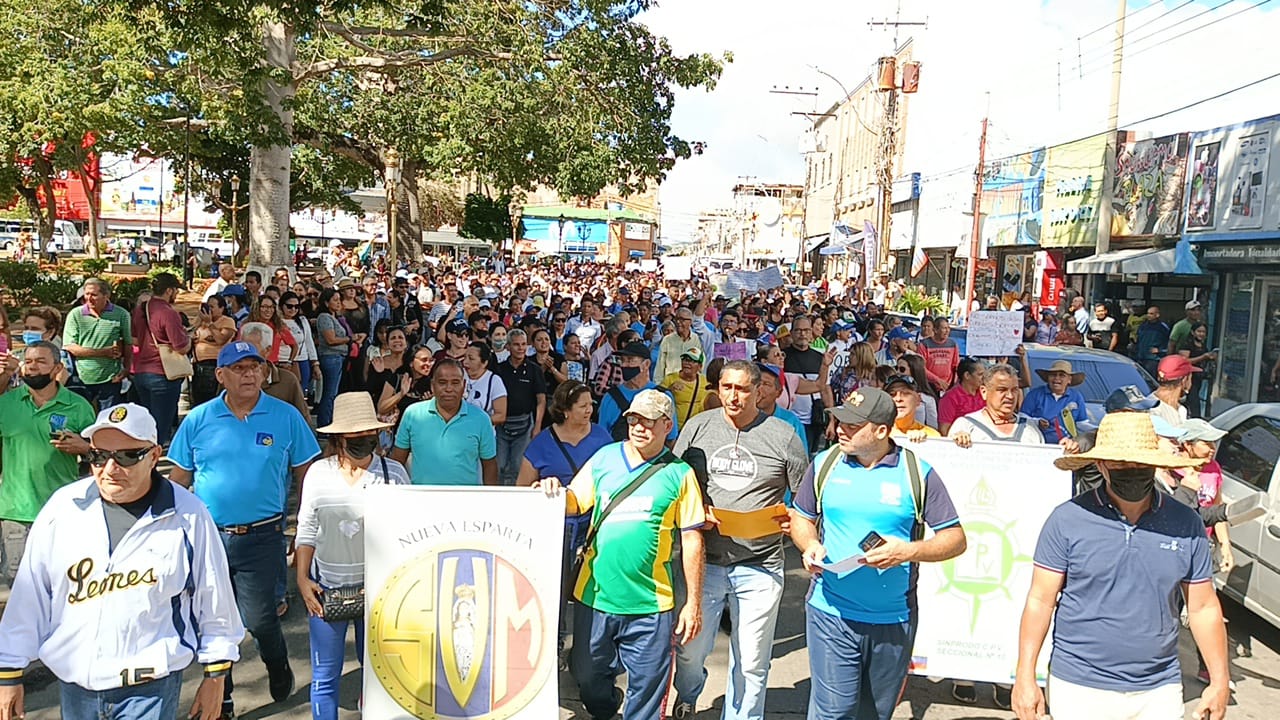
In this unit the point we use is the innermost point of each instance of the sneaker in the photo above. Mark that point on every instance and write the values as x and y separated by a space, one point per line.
280 683
1003 695
683 711
964 693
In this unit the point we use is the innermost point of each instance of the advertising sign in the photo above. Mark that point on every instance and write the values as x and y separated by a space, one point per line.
969 606
1073 192
1231 181
1148 186
139 189
1012 199
462 592
636 231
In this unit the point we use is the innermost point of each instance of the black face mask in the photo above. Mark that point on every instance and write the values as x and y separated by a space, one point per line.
362 447
37 382
1133 484
630 373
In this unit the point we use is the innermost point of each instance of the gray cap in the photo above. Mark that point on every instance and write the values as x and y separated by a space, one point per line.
865 405
652 404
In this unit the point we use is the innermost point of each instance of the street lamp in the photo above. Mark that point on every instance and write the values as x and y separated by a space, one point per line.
235 208
560 221
393 180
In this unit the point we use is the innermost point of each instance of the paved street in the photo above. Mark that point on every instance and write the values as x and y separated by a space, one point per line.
1257 676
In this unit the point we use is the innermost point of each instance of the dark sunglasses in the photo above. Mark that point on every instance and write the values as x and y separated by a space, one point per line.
123 458
291 306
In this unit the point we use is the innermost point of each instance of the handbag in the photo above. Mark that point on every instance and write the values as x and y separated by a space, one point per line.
346 602
580 554
177 366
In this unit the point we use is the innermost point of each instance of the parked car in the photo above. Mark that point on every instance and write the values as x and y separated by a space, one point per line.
1248 455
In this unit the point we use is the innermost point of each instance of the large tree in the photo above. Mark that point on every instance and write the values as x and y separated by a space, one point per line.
574 94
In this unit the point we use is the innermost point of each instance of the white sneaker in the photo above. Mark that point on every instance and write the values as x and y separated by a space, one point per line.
683 711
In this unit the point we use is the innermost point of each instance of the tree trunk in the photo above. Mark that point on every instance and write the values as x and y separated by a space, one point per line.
408 218
95 204
270 166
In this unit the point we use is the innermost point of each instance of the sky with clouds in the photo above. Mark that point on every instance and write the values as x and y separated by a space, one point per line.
1042 70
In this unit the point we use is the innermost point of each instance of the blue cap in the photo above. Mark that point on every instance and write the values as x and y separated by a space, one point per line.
1165 429
901 333
232 353
841 325
1131 398
233 290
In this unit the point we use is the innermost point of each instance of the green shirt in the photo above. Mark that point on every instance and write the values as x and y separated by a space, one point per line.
627 570
97 332
33 468
1181 330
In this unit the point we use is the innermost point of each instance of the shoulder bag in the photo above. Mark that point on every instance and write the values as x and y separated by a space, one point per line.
579 556
346 602
177 366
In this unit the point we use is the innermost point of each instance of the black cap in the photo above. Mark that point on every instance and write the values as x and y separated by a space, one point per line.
458 326
866 405
635 349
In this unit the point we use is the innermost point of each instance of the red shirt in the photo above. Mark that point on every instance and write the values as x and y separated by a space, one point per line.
955 403
940 361
166 325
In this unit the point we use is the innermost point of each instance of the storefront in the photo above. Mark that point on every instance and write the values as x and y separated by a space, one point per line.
1247 321
1012 219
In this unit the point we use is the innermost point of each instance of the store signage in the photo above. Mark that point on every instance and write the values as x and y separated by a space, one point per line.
1240 254
1073 197
1013 190
636 231
1148 186
1232 186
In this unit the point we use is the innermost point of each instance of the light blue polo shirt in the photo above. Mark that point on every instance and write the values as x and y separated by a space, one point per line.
446 453
855 501
610 412
242 468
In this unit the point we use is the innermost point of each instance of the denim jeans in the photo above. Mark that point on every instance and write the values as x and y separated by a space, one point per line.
254 561
331 370
604 645
857 670
102 395
304 377
159 395
511 448
155 700
751 594
328 650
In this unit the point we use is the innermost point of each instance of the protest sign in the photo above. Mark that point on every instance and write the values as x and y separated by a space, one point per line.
677 267
751 281
994 333
729 351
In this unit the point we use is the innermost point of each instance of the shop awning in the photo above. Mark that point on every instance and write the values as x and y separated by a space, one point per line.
1113 262
815 242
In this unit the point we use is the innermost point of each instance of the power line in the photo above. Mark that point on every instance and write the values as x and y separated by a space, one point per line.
1105 50
1103 60
1126 17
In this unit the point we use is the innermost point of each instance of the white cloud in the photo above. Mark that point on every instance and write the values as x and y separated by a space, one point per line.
1015 49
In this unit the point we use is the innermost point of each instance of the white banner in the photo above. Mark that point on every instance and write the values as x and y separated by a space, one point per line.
679 267
994 333
462 592
752 280
970 606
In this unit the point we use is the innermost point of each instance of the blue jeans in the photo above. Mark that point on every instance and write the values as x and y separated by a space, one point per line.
155 700
254 561
331 369
304 374
857 670
605 644
159 395
328 649
100 396
751 594
511 447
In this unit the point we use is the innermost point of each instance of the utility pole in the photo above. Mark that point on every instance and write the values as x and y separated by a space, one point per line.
808 173
1113 127
975 238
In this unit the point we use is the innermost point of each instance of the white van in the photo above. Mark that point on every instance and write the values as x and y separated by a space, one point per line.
66 237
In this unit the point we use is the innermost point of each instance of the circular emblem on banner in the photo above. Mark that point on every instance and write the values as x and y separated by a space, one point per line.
460 632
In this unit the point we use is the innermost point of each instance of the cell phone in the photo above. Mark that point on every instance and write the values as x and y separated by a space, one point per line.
55 434
871 541
204 308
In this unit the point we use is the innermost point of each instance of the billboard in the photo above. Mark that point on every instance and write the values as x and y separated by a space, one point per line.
138 188
1148 186
1073 180
1230 181
1012 199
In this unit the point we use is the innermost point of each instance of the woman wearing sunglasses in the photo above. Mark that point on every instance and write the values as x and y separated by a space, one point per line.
306 363
913 366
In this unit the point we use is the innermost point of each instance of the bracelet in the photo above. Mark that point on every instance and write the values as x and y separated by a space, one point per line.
217 669
10 676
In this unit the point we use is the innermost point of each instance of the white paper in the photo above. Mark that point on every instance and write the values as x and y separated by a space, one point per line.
847 565
994 333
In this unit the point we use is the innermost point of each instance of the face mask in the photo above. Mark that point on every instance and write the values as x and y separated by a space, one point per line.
499 344
31 337
362 447
1134 484
37 382
630 373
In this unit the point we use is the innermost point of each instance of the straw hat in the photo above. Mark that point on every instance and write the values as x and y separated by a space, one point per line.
1127 437
1061 366
353 412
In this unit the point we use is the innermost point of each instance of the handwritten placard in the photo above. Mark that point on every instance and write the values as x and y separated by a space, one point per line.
730 351
752 280
994 333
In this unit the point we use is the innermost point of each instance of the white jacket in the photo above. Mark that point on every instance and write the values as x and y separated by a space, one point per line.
102 620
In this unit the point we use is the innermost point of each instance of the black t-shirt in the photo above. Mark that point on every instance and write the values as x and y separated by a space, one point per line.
524 384
807 364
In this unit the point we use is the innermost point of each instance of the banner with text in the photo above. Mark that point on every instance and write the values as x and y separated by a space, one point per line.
994 333
751 280
969 606
462 589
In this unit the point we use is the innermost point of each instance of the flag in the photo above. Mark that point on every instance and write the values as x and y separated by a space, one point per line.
919 262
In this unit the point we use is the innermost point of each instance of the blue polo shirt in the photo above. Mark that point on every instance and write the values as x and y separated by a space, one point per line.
855 501
610 412
1122 582
446 453
1042 405
793 420
545 455
241 469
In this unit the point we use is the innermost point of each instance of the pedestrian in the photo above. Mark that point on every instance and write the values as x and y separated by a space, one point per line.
1153 340
127 557
306 363
1057 399
452 441
39 447
808 368
226 273
1182 329
749 460
627 621
279 384
1173 376
635 363
941 355
1047 329
687 386
334 344
771 385
867 496
963 398
330 541
238 304
999 419
1195 348
906 395
1114 563
212 330
1101 332
99 336
526 403
1079 314
676 345
485 389
237 453
913 365
156 324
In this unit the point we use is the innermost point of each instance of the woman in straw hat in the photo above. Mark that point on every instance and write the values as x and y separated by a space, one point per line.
330 543
1109 567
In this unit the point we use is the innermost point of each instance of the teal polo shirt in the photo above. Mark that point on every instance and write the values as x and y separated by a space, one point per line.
446 453
33 468
241 469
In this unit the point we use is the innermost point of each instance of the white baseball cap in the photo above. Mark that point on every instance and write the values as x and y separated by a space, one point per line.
130 419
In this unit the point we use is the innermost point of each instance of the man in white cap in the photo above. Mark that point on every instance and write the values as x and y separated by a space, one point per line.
1111 563
624 585
135 561
1182 328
